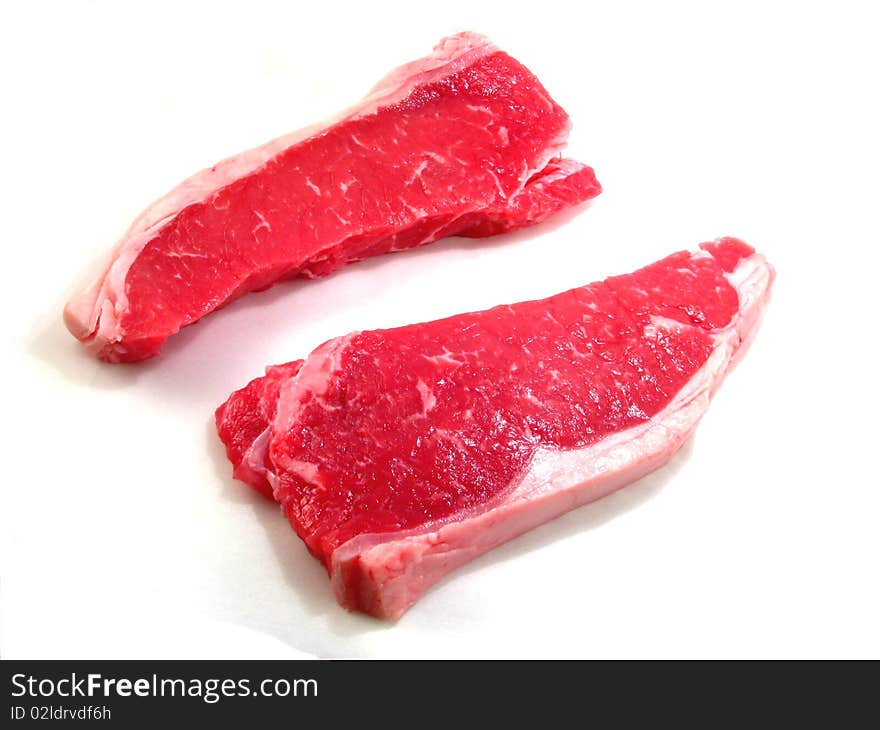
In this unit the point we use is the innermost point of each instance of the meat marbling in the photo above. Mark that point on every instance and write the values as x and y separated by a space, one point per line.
463 142
398 455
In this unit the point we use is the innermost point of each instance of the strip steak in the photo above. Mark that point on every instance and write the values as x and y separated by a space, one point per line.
398 455
464 142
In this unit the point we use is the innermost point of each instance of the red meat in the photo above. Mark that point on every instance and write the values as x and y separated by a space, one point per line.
398 455
464 142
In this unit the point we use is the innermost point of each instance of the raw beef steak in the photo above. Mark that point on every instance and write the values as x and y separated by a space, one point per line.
398 455
464 142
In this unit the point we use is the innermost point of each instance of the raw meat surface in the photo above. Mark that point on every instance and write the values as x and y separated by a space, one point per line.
399 454
463 142
249 415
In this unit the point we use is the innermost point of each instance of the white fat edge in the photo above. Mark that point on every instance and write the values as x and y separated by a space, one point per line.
255 457
750 277
553 469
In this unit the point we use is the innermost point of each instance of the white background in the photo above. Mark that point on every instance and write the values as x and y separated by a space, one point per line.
123 532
